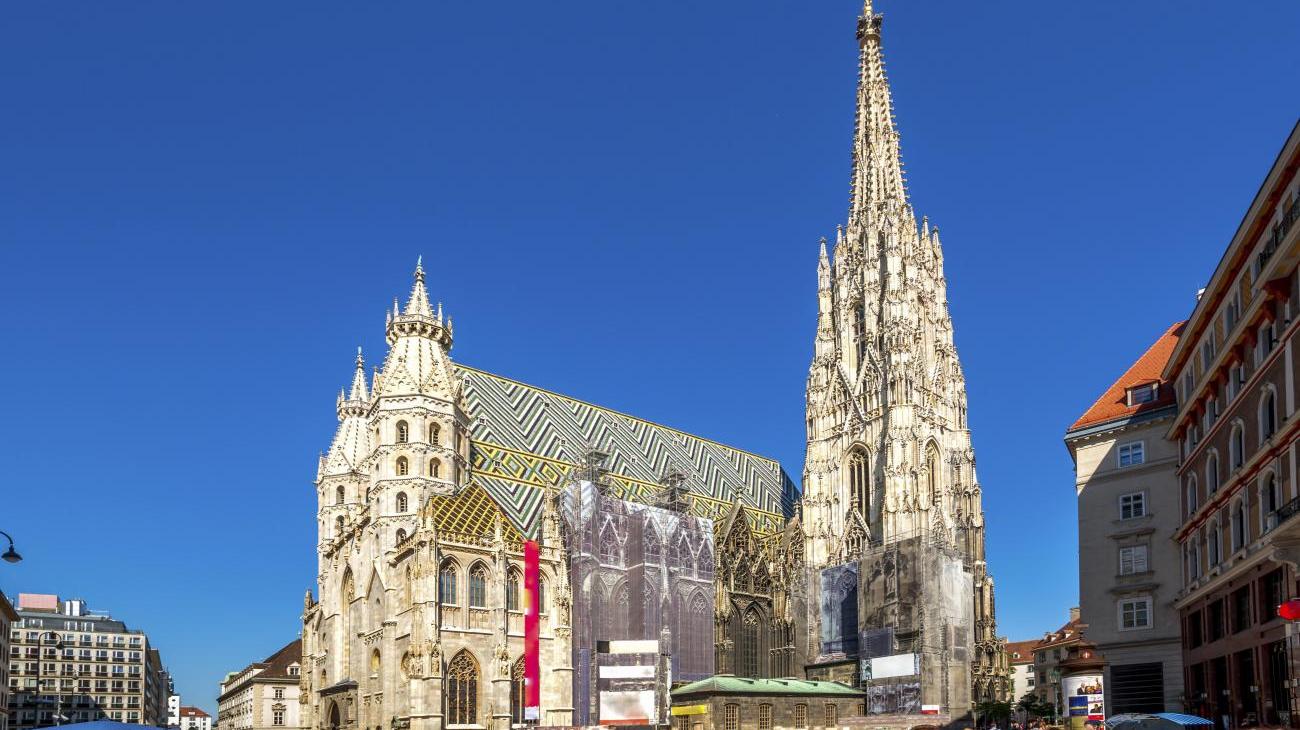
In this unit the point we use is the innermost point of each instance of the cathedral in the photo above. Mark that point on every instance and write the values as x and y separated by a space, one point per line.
872 574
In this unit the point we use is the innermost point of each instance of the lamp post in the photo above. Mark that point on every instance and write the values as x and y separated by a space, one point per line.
58 698
10 555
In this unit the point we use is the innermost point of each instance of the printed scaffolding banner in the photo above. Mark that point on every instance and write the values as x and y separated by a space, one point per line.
532 658
839 609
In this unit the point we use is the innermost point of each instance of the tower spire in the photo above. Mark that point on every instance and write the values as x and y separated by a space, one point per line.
877 163
359 379
418 303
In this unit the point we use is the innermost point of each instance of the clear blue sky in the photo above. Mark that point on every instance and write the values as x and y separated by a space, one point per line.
205 208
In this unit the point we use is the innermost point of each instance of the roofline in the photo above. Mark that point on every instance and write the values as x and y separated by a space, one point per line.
621 414
1196 319
1132 419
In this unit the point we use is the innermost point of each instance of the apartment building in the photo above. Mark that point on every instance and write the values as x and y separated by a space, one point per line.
1126 482
1020 656
192 718
7 618
67 661
263 695
1236 431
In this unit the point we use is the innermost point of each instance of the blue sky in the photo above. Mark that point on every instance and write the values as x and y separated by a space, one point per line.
205 208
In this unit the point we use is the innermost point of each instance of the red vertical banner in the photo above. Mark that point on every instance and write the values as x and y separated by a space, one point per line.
532 653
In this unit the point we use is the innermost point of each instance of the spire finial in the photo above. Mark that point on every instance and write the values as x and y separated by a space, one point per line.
418 303
358 392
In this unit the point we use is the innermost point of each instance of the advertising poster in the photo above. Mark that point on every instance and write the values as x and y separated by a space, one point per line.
1085 702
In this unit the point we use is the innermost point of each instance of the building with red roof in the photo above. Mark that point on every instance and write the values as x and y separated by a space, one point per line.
1126 484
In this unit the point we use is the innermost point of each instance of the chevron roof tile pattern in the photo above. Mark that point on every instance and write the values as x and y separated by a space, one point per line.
525 438
471 512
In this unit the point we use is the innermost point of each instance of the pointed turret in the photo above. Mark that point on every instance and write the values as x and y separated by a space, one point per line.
877 163
418 303
359 380
418 318
352 440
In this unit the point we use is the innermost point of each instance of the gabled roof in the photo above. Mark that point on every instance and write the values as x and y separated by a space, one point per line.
1113 404
192 712
1022 652
277 665
725 684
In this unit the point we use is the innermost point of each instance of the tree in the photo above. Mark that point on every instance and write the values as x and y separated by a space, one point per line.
993 711
1031 705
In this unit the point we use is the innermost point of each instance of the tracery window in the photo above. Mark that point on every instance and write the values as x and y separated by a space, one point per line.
517 692
652 546
701 615
447 583
749 632
860 481
403 432
338 526
403 466
462 690
706 560
402 503
741 581
932 474
609 552
478 576
512 592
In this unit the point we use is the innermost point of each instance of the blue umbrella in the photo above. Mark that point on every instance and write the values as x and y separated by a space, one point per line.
1155 721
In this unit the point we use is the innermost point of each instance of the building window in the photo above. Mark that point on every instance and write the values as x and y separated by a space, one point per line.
478 586
1191 496
447 584
462 690
403 432
435 468
731 717
1134 613
859 481
434 431
801 716
1207 353
403 466
338 495
1237 447
518 692
1267 415
1212 473
1265 344
541 596
609 552
1139 394
279 693
1238 526
1133 559
1132 506
277 717
749 632
512 592
1236 379
400 538
1269 502
1131 454
401 502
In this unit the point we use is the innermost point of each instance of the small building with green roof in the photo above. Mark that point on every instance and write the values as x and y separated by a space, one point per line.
726 702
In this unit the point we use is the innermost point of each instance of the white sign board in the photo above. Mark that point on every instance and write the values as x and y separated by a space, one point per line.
647 646
644 671
898 665
634 708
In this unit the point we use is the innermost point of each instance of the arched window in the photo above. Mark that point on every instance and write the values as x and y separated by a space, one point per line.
478 579
462 690
748 645
1269 501
1213 544
1237 447
513 591
701 617
401 502
1238 526
741 582
541 595
931 474
401 537
705 569
447 583
518 695
339 495
1212 473
434 432
652 546
860 481
609 552
1267 414
403 432
435 468
374 662
1191 497
403 466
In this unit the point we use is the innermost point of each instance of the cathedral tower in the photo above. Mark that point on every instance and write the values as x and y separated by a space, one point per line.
889 458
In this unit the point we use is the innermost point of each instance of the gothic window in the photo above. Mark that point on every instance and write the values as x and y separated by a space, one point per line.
401 502
706 561
652 548
512 591
348 590
749 631
860 481
462 690
374 662
701 622
478 578
435 468
609 552
458 442
403 432
447 583
518 694
401 537
434 431
339 495
541 596
860 331
741 580
932 473
403 466
762 582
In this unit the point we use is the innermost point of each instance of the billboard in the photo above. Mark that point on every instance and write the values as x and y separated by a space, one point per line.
1085 700
888 667
635 707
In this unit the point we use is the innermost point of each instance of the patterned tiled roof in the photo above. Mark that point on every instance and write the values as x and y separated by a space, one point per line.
470 512
525 438
1113 404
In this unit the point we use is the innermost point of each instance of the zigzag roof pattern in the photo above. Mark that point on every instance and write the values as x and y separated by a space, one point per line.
525 438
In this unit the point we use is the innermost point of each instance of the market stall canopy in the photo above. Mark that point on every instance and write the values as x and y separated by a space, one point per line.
1156 721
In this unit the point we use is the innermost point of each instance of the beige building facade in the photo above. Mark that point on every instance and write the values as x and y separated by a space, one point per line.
1129 504
7 618
262 696
1237 438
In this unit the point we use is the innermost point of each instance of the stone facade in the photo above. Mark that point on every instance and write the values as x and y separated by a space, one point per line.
731 703
889 458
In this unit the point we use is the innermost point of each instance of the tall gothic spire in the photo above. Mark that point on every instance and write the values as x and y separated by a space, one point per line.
418 303
877 164
359 379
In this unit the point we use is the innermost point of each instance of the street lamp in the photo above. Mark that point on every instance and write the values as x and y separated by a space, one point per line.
58 698
10 555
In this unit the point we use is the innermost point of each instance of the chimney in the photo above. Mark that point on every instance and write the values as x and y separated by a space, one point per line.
1074 614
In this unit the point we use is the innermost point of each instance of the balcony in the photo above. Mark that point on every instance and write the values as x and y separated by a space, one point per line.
1278 234
1286 511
